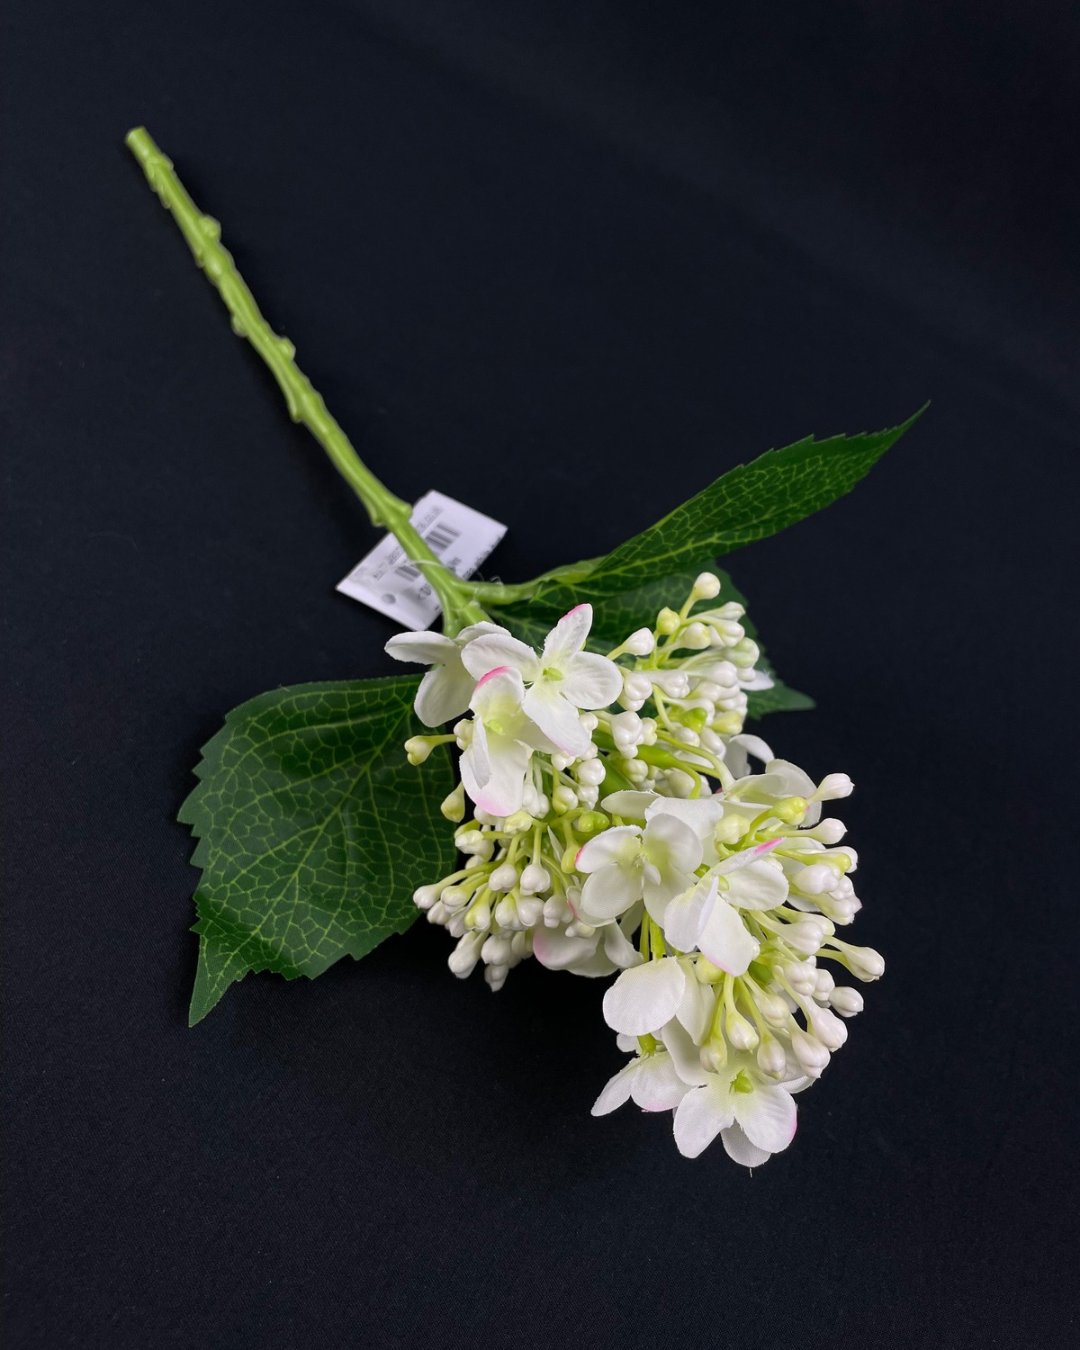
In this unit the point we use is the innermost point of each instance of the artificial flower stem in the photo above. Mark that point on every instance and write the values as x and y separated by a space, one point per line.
305 404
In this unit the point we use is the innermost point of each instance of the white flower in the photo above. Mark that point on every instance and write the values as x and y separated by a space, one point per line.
650 1080
445 690
706 919
562 680
754 1116
608 949
494 763
625 864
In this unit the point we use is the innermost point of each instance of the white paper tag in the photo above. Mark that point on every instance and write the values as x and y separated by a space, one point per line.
388 581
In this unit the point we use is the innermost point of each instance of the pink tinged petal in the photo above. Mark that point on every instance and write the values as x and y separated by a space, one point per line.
618 948
609 892
629 803
616 1091
426 649
496 649
671 844
684 1054
656 1086
739 1149
643 999
553 949
700 1117
502 793
591 681
696 1007
725 941
568 636
556 718
688 913
760 885
444 694
498 694
622 844
768 1117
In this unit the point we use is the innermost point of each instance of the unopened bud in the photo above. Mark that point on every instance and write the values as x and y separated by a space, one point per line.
564 799
740 1032
453 807
706 587
535 878
425 896
834 785
846 1000
809 1051
815 879
590 772
865 963
639 643
667 622
771 1058
417 749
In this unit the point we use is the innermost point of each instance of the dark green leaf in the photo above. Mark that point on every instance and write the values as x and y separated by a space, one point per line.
749 502
314 831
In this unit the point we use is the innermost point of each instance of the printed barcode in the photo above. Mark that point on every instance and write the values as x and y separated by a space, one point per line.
438 538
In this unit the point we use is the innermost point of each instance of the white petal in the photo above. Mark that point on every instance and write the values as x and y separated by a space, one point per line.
642 1000
759 885
618 948
671 845
426 649
591 681
700 1117
616 1091
686 915
629 803
627 1043
556 718
660 893
493 650
609 892
476 630
739 1149
695 1010
444 694
768 1117
568 636
656 1086
684 1054
553 949
701 814
498 694
725 941
502 793
477 757
621 844
753 745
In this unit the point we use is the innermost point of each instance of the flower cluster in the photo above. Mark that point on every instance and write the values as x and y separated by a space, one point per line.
616 826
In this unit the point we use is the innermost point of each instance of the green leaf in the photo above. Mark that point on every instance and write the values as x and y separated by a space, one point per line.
313 829
748 503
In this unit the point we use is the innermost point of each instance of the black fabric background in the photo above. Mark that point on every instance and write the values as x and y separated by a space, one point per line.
569 262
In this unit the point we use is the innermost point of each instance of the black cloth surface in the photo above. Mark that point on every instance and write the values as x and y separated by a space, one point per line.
569 263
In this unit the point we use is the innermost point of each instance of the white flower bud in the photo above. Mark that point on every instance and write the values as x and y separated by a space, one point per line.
815 879
564 798
453 806
713 1056
521 945
530 909
801 976
479 916
640 643
823 983
834 785
425 896
846 1000
626 729
589 721
438 913
740 1032
706 587
463 958
560 761
506 913
579 929
679 784
695 636
591 772
534 878
636 770
518 823
556 911
496 977
828 1028
865 963
637 689
806 936
504 878
496 950
828 831
588 795
667 622
773 1008
674 683
809 1051
771 1058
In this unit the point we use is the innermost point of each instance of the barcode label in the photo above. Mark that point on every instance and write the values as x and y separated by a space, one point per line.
388 581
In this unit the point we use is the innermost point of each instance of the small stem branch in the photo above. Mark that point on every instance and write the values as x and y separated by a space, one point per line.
500 593
305 404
